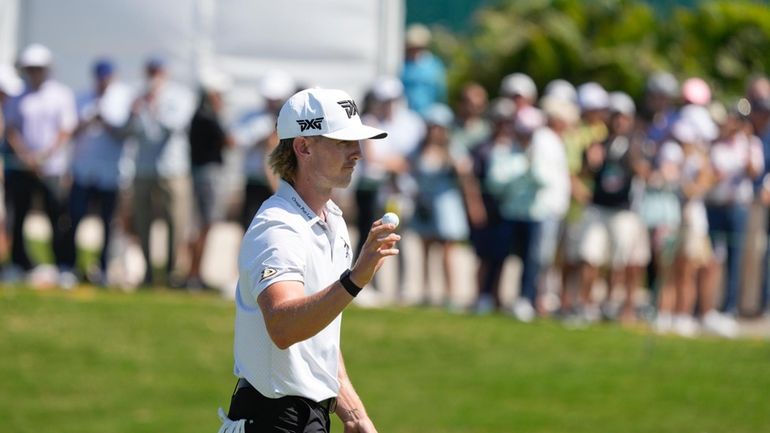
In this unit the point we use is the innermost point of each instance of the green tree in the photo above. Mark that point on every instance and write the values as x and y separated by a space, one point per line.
617 43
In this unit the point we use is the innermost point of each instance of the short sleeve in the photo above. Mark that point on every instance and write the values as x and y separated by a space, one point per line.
272 251
11 113
68 118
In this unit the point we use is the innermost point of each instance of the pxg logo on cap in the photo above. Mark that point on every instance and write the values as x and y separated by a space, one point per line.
328 112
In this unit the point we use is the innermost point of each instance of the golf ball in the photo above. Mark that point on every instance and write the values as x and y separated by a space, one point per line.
390 218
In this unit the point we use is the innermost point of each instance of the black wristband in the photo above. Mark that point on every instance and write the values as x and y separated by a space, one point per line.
348 284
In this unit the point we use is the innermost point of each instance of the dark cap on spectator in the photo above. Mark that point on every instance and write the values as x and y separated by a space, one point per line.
155 63
103 68
761 104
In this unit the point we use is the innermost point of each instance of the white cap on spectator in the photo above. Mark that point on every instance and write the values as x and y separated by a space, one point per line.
700 118
439 115
10 82
276 85
519 84
663 83
36 56
621 102
592 96
387 88
556 107
561 89
684 131
528 119
213 79
418 36
696 91
502 109
328 112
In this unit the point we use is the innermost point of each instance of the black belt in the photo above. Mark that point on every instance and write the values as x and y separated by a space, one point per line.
329 405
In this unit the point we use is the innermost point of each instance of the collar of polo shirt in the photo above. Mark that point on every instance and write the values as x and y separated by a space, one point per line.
287 192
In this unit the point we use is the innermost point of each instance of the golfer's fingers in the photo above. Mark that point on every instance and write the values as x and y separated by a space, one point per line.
378 232
392 237
385 252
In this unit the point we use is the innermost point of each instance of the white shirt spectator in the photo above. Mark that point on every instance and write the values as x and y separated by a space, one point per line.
161 131
288 242
405 130
97 151
729 159
553 199
252 129
40 116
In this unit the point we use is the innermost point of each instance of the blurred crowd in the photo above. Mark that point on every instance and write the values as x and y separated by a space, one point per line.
599 198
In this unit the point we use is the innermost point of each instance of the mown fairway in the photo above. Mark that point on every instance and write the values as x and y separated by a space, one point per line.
95 362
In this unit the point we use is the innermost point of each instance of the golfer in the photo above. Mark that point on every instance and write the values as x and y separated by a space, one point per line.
296 277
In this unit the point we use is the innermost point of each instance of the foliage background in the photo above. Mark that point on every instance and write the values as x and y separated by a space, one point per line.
617 43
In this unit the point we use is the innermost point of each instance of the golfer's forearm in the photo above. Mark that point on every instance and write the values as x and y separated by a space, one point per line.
349 404
298 319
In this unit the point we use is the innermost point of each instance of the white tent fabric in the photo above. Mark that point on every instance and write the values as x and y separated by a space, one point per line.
333 43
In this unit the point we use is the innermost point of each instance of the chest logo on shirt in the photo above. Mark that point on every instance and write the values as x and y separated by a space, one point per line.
267 273
347 247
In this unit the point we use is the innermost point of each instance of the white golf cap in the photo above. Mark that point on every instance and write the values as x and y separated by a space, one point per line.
621 102
561 89
35 55
387 88
276 85
592 96
519 84
328 112
528 119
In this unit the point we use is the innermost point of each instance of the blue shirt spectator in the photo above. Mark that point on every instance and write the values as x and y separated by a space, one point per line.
424 74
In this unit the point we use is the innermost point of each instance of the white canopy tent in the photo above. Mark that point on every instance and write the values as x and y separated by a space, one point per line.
330 43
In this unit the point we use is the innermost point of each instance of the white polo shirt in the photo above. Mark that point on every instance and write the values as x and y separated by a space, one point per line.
40 115
288 242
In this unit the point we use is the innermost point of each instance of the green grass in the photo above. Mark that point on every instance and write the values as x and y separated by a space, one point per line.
94 361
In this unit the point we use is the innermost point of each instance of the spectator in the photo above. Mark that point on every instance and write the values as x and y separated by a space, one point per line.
593 102
693 266
552 202
517 176
759 96
98 147
424 74
208 139
737 161
10 86
612 234
490 239
442 170
383 179
255 135
159 120
470 127
659 109
40 123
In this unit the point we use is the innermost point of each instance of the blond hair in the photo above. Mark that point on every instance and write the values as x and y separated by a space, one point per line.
283 161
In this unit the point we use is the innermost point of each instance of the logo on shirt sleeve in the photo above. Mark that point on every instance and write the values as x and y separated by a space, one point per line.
267 273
